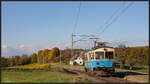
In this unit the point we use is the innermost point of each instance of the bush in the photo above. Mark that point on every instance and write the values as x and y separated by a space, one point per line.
34 66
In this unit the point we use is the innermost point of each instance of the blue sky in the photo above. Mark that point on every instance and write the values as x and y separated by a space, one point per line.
39 25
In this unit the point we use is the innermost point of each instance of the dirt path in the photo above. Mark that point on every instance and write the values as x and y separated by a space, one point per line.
97 79
79 71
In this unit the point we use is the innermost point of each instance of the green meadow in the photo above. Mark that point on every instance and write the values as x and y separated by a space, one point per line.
36 76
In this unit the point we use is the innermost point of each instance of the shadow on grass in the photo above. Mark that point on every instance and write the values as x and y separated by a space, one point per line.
123 74
128 68
68 71
130 73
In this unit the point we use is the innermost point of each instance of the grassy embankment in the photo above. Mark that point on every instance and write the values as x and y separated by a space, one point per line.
140 74
135 69
56 75
23 75
40 73
34 76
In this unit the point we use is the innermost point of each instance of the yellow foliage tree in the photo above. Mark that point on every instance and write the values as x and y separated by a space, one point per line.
53 55
40 60
34 58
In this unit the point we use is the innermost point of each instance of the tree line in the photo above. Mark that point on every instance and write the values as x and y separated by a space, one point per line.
41 57
132 56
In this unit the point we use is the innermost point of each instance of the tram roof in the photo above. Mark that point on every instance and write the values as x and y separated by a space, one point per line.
102 49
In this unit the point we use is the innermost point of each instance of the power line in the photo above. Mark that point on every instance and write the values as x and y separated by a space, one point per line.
106 23
77 18
92 35
84 37
78 13
116 17
111 17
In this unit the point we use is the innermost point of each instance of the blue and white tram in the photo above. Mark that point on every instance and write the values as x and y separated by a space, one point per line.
101 59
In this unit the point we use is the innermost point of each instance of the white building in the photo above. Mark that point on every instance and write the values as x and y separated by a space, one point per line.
77 59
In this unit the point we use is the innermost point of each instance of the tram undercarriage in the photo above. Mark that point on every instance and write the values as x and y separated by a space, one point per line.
101 71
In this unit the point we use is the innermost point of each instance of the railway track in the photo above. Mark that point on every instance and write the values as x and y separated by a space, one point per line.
97 78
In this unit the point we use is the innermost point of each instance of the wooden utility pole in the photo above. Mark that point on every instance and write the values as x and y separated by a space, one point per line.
94 44
72 46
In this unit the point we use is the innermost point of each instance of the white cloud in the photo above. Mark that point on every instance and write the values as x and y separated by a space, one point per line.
12 51
22 49
21 46
29 49
4 46
8 51
61 45
4 49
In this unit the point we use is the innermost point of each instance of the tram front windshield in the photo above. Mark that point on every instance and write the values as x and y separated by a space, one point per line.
99 55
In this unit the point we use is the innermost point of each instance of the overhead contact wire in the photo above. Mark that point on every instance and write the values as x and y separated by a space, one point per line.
107 26
77 18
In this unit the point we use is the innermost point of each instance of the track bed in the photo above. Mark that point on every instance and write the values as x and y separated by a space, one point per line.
115 78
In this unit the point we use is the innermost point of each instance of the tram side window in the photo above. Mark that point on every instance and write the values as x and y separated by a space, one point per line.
109 55
99 55
89 56
92 56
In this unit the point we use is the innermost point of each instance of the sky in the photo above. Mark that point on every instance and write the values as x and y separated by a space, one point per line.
30 26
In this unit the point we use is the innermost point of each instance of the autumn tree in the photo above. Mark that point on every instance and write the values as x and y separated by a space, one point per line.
66 54
24 59
3 62
40 57
33 58
132 57
140 56
54 55
8 62
13 61
16 59
45 55
121 54
146 56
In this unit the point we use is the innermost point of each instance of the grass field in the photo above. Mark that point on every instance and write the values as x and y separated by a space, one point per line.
140 79
36 76
142 71
136 69
32 74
